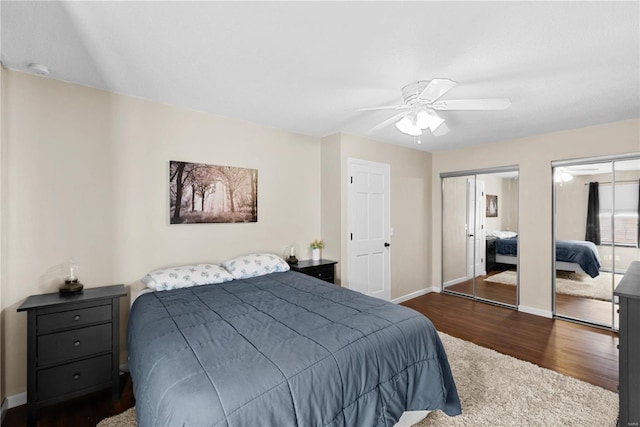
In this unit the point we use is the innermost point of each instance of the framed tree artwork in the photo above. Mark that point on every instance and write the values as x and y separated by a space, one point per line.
201 193
491 208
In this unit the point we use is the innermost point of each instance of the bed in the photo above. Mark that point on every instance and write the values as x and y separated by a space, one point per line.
282 349
571 255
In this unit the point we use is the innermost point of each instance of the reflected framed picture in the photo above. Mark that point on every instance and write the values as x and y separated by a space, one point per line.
491 207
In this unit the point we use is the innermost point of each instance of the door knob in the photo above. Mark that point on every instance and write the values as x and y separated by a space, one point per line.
386 245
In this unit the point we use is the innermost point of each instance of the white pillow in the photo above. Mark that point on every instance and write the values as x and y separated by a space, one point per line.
502 234
186 276
252 265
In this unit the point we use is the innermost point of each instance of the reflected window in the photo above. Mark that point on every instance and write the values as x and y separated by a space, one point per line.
625 219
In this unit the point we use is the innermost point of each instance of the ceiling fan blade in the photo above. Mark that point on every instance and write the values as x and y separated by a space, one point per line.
435 89
443 129
472 104
386 107
387 122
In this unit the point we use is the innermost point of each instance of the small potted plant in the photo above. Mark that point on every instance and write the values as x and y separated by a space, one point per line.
316 246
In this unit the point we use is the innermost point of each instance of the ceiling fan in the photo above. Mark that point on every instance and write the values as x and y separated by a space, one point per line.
422 99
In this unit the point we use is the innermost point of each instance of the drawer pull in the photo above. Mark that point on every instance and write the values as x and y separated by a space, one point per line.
76 376
319 274
76 317
76 344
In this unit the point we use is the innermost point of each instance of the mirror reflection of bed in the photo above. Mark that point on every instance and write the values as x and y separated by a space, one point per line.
596 204
477 208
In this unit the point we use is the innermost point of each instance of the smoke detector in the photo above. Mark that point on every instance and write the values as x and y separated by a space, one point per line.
43 70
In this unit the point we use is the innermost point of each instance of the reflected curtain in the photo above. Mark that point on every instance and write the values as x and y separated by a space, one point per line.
593 210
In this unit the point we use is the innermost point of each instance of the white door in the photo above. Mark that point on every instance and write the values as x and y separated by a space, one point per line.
475 228
369 228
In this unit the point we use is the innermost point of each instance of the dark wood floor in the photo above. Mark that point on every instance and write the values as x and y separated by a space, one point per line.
84 411
499 292
587 309
582 352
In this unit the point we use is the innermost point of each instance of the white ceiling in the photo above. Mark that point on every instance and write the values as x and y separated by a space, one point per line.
308 66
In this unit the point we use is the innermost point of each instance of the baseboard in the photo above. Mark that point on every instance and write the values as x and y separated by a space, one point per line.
3 410
16 400
535 311
455 281
414 295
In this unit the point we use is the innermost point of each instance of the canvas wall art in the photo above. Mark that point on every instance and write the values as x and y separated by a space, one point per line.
492 206
201 193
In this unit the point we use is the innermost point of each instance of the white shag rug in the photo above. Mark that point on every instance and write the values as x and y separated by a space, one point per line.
567 283
498 390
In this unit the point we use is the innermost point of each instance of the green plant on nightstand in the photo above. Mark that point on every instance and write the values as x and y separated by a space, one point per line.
316 246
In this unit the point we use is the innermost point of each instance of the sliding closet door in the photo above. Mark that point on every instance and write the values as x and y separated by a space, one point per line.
582 290
596 235
456 251
472 205
625 221
498 238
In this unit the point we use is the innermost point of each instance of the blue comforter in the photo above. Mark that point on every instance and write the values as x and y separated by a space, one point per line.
585 254
283 349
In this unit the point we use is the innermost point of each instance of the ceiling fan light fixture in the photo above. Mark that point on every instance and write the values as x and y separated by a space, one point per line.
408 126
428 119
423 119
561 177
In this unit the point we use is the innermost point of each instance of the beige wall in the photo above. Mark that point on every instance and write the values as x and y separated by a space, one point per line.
410 206
510 204
86 176
534 156
331 201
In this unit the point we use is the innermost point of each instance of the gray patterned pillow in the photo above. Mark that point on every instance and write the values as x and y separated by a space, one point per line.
252 265
186 276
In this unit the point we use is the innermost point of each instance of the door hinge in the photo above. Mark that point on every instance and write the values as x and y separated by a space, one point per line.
351 236
352 180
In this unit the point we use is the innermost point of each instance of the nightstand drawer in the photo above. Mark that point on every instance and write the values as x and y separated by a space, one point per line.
73 318
322 269
73 377
62 346
322 272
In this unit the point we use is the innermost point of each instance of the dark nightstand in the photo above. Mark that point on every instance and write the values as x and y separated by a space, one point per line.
490 255
323 269
628 292
73 345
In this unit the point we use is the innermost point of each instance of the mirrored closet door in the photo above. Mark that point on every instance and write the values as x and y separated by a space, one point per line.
480 235
596 221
